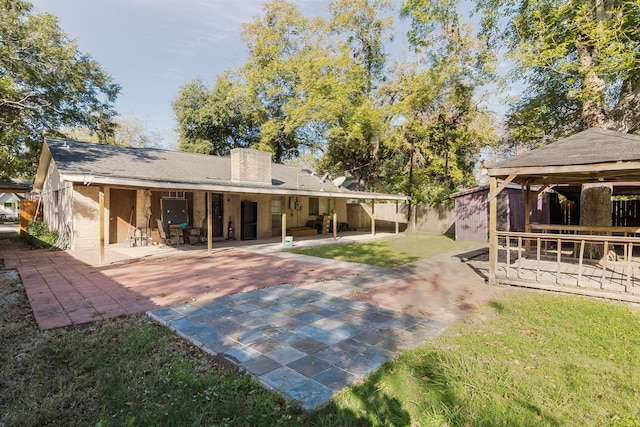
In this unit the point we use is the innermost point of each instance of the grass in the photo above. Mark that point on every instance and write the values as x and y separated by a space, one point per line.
392 252
539 359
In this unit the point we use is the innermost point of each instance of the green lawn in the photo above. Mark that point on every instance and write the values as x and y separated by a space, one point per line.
536 360
539 359
390 252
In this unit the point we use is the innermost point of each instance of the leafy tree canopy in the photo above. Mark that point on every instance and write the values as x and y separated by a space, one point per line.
46 83
578 62
326 87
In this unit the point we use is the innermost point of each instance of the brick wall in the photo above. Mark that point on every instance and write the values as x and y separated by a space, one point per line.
86 218
249 165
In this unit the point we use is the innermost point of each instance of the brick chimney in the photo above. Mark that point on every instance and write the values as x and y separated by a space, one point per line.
249 165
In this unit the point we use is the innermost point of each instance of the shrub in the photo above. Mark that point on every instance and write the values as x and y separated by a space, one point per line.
39 235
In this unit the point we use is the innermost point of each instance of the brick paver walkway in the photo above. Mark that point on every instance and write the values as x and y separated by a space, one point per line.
63 290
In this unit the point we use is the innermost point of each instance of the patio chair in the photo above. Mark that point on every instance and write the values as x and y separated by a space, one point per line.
165 237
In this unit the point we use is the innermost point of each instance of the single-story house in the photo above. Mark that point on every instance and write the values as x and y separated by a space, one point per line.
12 193
10 206
104 194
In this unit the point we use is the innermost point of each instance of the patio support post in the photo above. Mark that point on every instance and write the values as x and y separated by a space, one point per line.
414 221
209 223
373 217
101 223
335 219
493 238
284 227
527 215
397 214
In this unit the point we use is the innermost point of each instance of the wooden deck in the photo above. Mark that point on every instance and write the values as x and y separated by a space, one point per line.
533 260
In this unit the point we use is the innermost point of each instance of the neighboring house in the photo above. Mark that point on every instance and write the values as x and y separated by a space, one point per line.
104 194
10 206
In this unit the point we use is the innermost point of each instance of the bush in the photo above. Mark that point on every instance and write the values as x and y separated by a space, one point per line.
39 235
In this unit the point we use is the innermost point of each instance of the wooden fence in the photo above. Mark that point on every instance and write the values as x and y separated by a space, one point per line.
429 219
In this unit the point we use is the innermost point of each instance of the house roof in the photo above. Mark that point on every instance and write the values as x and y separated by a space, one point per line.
593 155
90 163
10 197
15 185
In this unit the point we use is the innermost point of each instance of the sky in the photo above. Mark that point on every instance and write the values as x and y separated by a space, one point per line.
153 47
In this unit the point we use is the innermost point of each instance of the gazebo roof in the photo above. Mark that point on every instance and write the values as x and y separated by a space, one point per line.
593 155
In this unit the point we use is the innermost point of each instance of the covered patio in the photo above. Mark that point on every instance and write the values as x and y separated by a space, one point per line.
557 257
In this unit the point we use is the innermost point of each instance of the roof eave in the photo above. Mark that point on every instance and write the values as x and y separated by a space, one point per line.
566 169
43 166
89 179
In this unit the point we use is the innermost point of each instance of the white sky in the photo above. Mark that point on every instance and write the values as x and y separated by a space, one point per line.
153 47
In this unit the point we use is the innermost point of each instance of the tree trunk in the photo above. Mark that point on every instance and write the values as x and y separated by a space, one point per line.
595 199
595 211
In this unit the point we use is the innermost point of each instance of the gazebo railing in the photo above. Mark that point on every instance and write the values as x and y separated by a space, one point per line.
545 243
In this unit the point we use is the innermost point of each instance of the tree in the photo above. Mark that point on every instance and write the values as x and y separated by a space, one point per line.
441 123
366 33
278 44
357 122
129 131
45 83
217 120
579 61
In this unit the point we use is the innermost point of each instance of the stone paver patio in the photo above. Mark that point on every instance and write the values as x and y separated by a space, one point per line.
304 343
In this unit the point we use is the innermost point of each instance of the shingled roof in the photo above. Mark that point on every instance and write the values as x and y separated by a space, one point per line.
15 185
157 168
593 155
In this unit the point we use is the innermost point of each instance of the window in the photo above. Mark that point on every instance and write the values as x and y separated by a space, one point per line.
314 206
173 194
56 200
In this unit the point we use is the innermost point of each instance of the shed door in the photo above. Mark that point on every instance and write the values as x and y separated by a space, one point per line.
122 214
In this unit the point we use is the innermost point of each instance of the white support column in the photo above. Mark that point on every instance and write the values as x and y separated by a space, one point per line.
397 215
284 227
209 223
373 217
101 224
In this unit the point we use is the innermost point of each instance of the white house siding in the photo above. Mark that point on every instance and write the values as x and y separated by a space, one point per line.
57 199
9 205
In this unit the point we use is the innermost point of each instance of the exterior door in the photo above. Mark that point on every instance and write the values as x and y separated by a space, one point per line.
122 208
249 220
217 215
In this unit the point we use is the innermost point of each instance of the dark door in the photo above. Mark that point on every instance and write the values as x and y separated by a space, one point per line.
216 215
249 220
122 208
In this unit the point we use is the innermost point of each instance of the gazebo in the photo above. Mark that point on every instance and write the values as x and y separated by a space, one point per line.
593 156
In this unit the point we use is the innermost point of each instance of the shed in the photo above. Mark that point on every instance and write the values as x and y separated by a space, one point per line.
472 211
